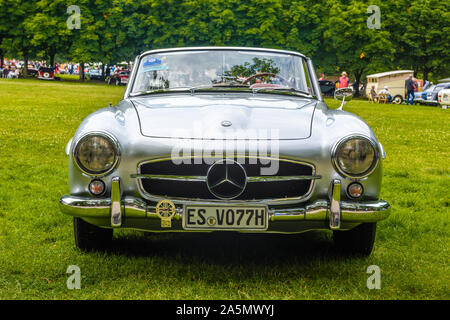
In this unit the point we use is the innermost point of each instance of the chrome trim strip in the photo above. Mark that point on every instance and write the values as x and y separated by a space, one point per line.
203 178
223 49
69 146
116 203
169 177
180 200
131 77
281 178
335 205
351 212
137 61
313 79
383 153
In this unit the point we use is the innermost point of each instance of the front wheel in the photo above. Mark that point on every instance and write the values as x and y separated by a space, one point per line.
397 99
358 241
89 237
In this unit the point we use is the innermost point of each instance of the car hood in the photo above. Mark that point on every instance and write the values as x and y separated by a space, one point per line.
220 116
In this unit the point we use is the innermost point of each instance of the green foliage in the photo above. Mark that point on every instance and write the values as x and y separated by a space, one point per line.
351 44
414 34
14 38
420 30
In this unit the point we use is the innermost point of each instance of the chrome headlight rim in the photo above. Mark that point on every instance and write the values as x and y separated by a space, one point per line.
114 143
363 174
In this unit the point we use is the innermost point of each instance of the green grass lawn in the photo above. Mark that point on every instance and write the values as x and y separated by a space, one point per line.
37 246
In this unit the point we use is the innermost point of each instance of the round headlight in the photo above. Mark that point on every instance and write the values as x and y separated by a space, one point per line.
355 157
96 153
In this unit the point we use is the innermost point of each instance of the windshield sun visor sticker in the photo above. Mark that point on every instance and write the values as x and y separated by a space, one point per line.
153 64
154 68
152 61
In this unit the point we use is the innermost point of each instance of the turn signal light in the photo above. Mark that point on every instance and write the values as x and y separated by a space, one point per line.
355 190
97 187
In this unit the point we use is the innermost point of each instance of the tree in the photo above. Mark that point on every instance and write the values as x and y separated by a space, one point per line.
48 29
356 47
304 25
7 25
109 34
413 34
14 38
421 33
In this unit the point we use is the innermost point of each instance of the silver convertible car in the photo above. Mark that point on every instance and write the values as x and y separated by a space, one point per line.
225 139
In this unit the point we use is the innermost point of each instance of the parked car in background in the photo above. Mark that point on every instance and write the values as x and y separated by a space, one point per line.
394 80
420 96
432 95
178 153
444 98
46 73
95 74
327 87
31 71
119 77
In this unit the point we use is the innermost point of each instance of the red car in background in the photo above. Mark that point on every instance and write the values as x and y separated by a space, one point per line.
119 77
46 73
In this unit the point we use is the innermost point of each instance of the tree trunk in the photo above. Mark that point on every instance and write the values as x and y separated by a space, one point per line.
103 71
1 59
25 67
81 71
426 71
52 60
357 82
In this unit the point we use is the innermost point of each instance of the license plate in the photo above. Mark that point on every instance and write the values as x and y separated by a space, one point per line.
232 217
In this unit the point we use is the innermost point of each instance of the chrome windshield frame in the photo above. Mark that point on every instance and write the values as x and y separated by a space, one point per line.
310 71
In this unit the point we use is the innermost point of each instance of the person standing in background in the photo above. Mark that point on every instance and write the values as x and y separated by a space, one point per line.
343 80
5 72
373 93
409 85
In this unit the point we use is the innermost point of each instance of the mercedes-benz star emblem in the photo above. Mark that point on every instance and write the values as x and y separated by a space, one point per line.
226 123
226 179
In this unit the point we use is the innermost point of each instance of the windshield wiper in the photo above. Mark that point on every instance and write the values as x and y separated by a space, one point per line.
161 90
283 90
191 89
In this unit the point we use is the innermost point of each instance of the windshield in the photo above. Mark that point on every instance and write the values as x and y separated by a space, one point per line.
221 69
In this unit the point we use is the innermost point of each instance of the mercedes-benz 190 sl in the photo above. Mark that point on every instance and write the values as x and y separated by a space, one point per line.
225 139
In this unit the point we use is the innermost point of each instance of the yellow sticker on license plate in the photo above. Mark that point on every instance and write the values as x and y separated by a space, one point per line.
230 217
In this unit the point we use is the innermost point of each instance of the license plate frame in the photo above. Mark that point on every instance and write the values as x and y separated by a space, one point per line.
222 223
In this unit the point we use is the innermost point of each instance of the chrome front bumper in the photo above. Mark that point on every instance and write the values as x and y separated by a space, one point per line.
131 212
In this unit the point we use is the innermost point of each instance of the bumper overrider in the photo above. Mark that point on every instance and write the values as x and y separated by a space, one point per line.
132 212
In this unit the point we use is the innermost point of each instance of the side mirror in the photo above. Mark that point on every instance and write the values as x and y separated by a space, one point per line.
344 94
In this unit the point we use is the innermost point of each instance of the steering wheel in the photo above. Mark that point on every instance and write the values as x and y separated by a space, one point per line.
264 74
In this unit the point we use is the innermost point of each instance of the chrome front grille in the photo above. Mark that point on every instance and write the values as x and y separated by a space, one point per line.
162 178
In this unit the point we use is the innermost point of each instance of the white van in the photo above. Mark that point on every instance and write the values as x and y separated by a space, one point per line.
394 80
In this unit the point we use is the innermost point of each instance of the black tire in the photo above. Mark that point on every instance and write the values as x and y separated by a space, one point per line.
89 237
357 241
397 99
